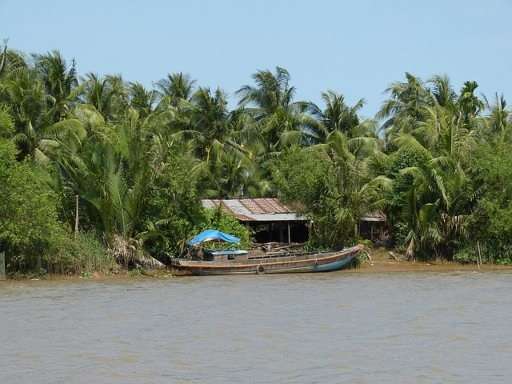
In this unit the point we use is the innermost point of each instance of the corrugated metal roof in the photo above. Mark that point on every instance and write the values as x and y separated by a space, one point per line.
261 209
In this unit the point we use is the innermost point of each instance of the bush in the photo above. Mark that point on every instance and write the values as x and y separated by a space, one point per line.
28 214
400 232
301 176
6 123
490 224
83 254
216 219
490 253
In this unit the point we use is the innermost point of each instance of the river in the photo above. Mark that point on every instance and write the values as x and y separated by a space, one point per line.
312 328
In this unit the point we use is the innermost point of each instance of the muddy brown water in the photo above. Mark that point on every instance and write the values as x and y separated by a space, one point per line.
452 327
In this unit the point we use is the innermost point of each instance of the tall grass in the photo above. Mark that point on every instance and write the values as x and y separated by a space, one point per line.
83 254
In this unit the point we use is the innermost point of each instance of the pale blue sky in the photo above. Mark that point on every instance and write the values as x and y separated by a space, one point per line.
354 47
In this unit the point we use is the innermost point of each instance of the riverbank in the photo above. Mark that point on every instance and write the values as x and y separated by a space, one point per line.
380 260
120 275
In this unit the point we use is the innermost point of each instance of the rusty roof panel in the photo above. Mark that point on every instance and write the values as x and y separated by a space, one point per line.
262 206
251 205
261 209
238 209
276 206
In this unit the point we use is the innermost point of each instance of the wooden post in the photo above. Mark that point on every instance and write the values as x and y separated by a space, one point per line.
289 234
2 265
479 259
76 216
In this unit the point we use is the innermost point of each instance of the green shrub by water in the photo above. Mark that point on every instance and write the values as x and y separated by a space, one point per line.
217 219
85 254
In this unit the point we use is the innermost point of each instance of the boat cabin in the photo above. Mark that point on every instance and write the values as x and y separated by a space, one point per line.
225 255
197 250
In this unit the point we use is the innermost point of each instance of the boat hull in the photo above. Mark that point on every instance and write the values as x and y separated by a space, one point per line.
323 262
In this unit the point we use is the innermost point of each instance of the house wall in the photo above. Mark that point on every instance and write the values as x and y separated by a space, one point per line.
372 230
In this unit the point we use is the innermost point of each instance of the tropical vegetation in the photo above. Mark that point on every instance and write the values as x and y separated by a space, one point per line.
96 171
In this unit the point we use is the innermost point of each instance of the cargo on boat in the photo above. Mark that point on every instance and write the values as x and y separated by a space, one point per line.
200 261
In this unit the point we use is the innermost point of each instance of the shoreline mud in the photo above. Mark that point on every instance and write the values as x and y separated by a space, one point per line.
380 261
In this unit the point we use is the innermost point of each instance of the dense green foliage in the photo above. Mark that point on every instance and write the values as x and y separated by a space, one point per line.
29 224
436 161
216 218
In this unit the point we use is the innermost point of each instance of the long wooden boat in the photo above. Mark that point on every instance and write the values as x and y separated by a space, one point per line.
231 264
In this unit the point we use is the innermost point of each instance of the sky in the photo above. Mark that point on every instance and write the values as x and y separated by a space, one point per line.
355 47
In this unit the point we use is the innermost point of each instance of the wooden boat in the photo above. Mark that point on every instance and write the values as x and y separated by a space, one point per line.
241 262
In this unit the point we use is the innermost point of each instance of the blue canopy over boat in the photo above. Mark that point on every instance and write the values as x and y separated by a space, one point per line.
213 234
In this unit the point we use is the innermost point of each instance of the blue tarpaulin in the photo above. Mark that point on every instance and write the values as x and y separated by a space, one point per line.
213 234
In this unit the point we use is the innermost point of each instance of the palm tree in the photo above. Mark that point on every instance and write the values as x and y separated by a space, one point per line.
442 91
176 87
226 173
23 91
60 82
422 212
228 167
108 94
271 104
436 203
141 99
469 104
444 133
435 210
405 105
272 91
350 192
337 115
498 123
37 135
11 61
209 116
112 177
3 60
